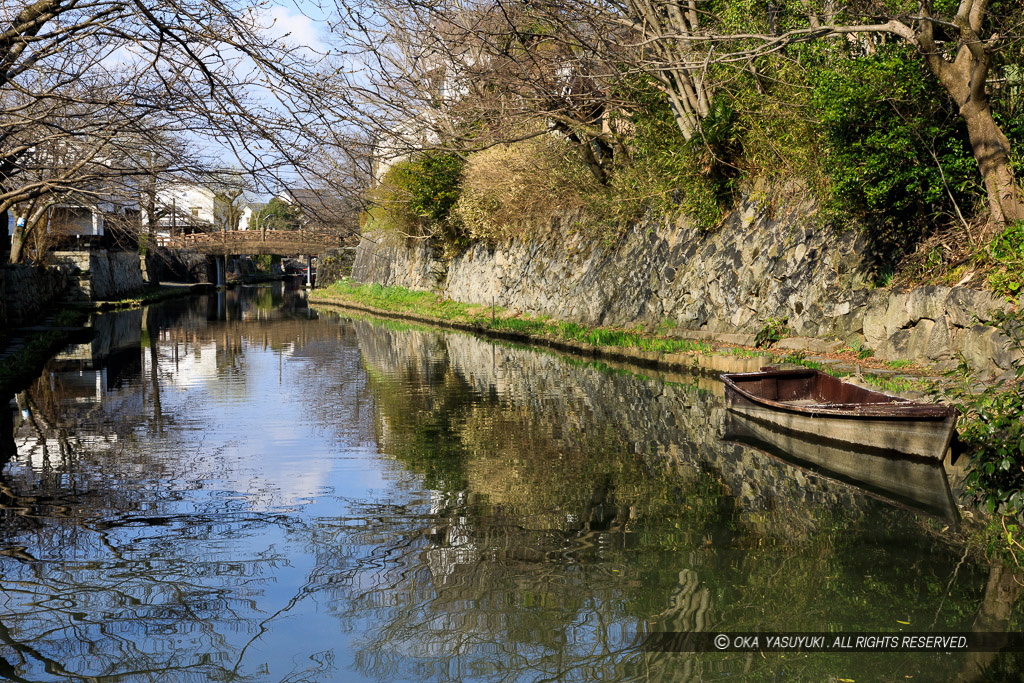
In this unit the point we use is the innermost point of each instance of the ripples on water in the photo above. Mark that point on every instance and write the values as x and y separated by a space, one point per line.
239 488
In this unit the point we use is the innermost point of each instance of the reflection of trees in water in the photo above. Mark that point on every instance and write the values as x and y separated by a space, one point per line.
539 505
102 579
138 606
100 572
549 538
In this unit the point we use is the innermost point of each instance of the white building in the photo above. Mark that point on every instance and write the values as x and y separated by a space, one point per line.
191 201
248 213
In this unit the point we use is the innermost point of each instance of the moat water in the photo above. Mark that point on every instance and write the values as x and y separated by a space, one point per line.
239 487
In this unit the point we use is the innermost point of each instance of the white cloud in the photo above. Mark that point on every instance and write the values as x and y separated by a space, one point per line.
295 29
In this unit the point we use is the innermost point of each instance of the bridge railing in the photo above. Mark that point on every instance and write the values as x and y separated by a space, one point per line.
259 241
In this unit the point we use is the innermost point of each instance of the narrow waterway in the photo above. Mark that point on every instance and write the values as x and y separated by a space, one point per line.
239 488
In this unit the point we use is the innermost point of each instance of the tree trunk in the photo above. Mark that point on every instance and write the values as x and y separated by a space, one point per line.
33 221
18 243
965 79
992 152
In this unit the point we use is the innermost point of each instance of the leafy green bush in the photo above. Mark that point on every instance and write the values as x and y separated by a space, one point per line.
667 173
1007 250
416 197
278 215
896 148
992 427
774 329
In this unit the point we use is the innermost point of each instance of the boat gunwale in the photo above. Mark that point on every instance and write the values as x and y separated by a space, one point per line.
894 408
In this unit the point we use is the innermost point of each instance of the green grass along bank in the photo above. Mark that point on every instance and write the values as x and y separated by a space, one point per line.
633 345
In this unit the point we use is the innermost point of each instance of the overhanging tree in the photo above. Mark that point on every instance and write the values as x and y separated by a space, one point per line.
681 42
80 78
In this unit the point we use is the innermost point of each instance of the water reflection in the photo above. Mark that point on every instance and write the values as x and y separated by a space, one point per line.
236 487
888 475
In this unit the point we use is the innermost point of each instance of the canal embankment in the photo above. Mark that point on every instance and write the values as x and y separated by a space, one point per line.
772 262
707 354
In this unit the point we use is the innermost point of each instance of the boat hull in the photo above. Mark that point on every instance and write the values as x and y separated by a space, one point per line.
910 429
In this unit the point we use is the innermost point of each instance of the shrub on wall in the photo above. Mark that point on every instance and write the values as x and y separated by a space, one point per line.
896 151
416 197
666 172
1007 250
510 186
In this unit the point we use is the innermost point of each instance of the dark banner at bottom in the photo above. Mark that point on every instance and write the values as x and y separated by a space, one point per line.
676 641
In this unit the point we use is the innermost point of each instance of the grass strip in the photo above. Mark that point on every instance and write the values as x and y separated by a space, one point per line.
428 304
629 345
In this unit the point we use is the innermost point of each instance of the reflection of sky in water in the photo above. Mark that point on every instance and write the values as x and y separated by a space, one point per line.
218 555
329 501
255 434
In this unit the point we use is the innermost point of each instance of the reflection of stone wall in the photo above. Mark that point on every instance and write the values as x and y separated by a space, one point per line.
180 265
760 264
26 291
102 275
677 426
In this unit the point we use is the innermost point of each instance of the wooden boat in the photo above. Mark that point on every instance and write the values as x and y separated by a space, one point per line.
912 483
813 402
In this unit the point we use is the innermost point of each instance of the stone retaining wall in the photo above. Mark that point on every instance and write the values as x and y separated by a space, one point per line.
101 275
27 291
761 264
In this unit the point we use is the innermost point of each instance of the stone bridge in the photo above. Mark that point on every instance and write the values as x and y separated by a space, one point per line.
257 242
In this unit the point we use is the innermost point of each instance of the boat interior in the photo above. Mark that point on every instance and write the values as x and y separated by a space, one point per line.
809 388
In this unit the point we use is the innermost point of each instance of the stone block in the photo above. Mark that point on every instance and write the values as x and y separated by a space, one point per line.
926 303
917 343
971 344
874 323
896 315
940 341
895 346
966 307
808 344
740 339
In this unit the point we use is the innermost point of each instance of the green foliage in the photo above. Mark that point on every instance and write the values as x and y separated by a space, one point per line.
264 262
1007 249
416 197
895 385
992 427
773 330
857 347
666 172
389 210
277 215
895 146
433 185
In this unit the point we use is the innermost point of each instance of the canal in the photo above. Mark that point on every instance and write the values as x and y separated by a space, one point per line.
238 487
